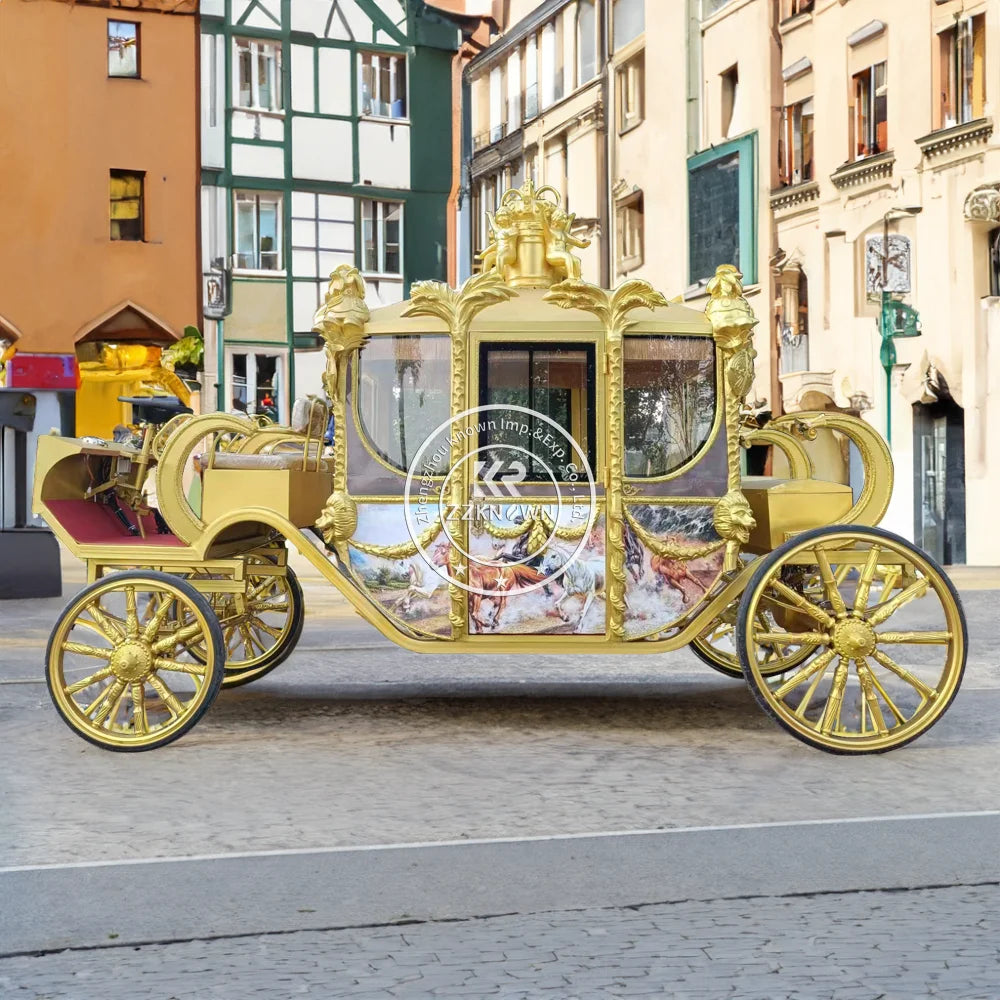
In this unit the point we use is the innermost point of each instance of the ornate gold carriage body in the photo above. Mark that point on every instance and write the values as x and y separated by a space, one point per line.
529 463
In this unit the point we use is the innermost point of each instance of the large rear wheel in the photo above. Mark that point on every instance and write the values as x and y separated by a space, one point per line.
889 639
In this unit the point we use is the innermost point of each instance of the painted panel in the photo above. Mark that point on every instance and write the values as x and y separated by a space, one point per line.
573 602
334 82
259 312
384 154
322 149
258 161
408 589
666 578
393 9
303 78
213 101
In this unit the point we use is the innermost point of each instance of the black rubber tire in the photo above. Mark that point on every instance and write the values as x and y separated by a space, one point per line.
775 557
214 683
279 653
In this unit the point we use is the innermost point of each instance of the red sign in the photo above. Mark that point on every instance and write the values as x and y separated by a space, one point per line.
42 371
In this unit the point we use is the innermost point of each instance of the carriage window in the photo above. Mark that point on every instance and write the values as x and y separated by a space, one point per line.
556 380
669 402
404 391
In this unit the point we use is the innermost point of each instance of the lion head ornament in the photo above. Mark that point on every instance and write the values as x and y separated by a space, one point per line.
734 519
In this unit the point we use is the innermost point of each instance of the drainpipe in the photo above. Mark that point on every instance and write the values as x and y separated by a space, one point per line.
693 76
605 182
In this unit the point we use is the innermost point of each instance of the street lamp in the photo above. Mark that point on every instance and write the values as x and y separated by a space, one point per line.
891 311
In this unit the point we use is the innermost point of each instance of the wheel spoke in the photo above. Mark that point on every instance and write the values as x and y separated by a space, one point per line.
192 631
800 602
831 714
131 614
803 706
249 642
792 638
274 633
900 718
927 693
887 610
78 686
84 650
818 665
139 720
155 623
168 697
276 606
870 699
920 638
195 669
867 578
111 632
829 583
112 695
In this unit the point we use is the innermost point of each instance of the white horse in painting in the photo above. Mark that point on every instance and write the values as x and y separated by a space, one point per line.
583 577
423 583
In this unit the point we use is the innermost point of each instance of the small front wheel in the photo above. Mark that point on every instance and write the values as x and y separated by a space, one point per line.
118 664
886 628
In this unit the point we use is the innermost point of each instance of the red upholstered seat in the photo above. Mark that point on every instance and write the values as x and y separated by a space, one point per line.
92 523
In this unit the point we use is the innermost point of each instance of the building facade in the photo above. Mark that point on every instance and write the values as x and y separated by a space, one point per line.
323 142
843 153
99 178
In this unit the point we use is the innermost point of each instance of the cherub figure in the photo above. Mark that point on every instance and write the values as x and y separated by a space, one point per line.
558 240
502 250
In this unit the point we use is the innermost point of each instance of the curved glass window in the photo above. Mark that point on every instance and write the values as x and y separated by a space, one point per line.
670 402
404 394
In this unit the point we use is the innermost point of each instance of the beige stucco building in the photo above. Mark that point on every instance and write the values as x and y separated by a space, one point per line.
792 137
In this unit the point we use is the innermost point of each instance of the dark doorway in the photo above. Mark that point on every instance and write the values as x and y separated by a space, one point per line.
939 477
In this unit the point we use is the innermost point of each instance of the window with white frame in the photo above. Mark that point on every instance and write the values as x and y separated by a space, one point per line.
530 78
258 231
257 384
795 144
383 85
869 119
631 77
961 72
322 233
258 74
630 232
382 236
629 21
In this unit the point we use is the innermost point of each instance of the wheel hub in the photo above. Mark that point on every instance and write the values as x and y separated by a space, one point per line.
132 661
853 638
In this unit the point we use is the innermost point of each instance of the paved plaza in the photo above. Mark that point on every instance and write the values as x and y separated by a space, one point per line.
278 814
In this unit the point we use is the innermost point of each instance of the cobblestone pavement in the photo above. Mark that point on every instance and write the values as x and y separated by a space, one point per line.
858 946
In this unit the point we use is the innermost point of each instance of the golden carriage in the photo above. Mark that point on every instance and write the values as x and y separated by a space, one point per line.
529 463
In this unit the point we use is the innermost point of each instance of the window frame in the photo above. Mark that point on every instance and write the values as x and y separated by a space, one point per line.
137 75
793 8
379 222
791 158
620 43
121 175
278 199
863 111
254 46
279 393
627 207
958 66
631 81
376 58
590 403
592 7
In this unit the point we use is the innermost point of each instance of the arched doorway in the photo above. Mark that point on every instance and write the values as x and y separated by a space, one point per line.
939 475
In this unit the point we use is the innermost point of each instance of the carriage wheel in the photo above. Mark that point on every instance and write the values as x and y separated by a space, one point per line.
118 665
266 633
716 646
874 684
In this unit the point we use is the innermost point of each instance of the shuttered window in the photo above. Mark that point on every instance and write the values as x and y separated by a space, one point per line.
126 205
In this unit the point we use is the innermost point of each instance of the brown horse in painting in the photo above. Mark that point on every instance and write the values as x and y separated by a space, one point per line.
673 572
499 580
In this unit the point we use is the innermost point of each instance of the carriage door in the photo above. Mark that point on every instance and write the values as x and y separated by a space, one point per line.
530 497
